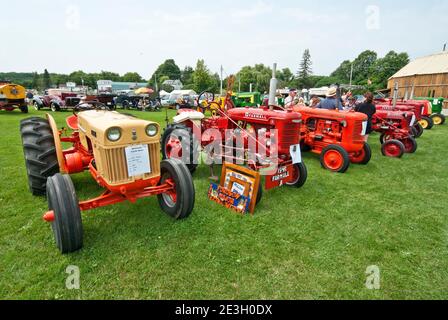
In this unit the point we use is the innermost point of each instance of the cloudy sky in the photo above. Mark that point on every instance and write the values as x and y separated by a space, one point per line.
137 35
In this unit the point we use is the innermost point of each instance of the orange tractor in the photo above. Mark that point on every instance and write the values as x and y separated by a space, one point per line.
338 137
121 153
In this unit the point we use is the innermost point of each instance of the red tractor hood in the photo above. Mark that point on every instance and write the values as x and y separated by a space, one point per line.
263 115
330 114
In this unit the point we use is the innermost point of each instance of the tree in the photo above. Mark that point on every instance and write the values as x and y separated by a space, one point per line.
203 79
107 75
169 69
132 77
186 76
46 79
36 81
285 77
362 66
342 73
305 70
386 67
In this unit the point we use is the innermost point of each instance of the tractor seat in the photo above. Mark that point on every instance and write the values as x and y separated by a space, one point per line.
72 122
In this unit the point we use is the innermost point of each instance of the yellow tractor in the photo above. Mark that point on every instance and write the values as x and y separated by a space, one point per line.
12 96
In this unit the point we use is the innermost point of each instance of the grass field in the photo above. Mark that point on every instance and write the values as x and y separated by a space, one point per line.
311 243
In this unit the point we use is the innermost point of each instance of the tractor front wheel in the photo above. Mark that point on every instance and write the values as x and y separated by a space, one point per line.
418 130
393 149
179 202
299 176
335 158
40 153
438 119
410 145
427 123
362 157
67 224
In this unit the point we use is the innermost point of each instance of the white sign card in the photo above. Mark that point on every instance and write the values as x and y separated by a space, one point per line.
137 158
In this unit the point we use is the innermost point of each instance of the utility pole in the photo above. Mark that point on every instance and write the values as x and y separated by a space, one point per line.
351 76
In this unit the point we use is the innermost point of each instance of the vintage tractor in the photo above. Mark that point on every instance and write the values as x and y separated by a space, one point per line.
339 137
12 96
122 153
397 134
420 109
437 115
192 132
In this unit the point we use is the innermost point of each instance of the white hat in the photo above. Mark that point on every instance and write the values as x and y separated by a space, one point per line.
331 92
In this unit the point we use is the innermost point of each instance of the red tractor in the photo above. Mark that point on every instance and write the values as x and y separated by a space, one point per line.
339 137
396 129
233 131
420 109
121 153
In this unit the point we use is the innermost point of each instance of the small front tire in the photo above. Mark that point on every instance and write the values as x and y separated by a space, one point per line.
438 119
393 149
335 158
299 176
427 123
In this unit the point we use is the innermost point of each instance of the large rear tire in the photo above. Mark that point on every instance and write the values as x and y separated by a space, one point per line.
419 130
393 149
179 142
40 153
67 224
178 203
410 145
335 159
363 157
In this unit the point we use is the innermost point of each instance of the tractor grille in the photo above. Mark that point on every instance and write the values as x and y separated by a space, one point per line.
290 136
113 166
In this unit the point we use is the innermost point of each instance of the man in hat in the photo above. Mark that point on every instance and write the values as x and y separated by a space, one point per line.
290 100
331 102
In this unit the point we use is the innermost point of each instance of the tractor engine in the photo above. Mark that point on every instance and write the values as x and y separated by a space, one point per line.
322 128
118 149
260 122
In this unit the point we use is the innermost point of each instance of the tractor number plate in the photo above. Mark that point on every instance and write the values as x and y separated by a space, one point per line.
282 176
296 154
137 159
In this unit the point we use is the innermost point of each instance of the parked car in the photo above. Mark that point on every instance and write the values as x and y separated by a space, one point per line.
128 101
104 98
56 100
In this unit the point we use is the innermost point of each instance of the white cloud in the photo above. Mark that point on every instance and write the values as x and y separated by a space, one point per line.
260 8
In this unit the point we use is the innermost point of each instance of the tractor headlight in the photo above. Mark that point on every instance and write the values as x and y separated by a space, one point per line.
152 130
114 134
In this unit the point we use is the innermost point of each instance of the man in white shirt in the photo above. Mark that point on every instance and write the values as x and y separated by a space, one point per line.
290 100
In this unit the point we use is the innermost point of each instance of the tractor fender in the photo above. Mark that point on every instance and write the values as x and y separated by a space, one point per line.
57 142
188 115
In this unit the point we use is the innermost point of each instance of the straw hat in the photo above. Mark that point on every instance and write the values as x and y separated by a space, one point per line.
331 92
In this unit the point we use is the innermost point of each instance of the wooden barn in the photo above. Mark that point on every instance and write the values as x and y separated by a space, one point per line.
423 77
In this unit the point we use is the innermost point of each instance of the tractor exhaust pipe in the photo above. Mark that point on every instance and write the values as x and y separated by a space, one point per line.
273 86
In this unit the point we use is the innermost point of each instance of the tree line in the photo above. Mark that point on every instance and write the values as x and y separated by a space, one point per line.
367 70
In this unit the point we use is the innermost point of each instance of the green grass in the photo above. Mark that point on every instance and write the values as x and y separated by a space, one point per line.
311 243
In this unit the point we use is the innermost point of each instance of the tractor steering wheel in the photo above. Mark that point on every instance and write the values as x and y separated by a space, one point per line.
90 105
208 99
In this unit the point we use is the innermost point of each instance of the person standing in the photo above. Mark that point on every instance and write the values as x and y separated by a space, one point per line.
369 109
290 100
332 102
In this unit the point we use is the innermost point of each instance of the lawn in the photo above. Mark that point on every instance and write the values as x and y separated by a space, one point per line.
311 243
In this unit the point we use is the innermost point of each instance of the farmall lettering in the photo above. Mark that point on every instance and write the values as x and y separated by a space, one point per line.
280 178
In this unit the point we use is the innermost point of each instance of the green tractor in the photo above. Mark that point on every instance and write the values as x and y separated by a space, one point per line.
247 99
437 109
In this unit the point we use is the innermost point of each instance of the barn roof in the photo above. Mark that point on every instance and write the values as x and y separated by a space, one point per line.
436 63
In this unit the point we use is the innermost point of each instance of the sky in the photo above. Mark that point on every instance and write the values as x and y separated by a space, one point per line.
137 36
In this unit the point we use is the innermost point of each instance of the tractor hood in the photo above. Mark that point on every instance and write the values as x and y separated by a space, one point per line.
263 116
330 114
95 124
394 115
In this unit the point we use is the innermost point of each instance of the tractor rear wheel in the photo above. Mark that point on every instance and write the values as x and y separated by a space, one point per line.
24 109
410 145
40 153
393 149
67 224
299 176
335 158
427 123
179 202
363 157
419 130
438 119
179 142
